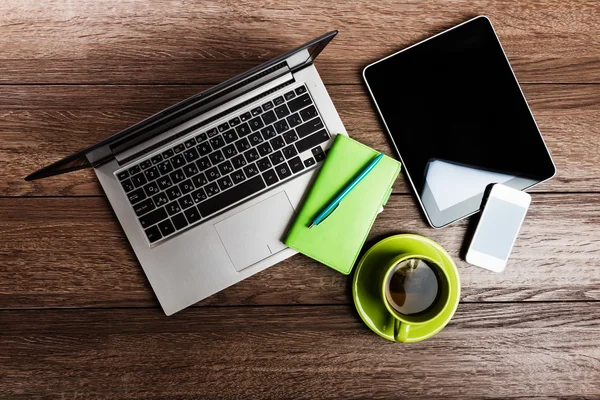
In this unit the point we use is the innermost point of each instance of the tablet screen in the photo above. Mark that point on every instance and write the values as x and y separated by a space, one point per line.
458 119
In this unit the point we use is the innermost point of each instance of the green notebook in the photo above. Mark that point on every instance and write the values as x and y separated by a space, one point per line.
337 240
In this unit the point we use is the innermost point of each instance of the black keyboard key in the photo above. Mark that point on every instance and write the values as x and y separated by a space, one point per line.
212 189
199 180
138 180
312 140
289 95
309 162
168 153
230 136
251 155
223 127
177 176
278 100
212 132
122 175
190 170
234 122
263 164
256 123
251 170
164 182
276 158
283 171
144 207
186 201
233 195
300 90
277 142
281 126
268 132
229 151
186 186
127 185
178 161
179 148
238 161
256 111
134 170
319 156
151 173
255 138
179 221
317 150
242 130
290 136
151 189
308 113
153 217
166 227
217 142
269 117
192 215
164 167
216 157
238 176
225 167
199 195
242 145
212 174
173 193
282 111
203 163
245 116
289 151
225 183
309 127
153 234
270 177
264 149
300 102
189 143
296 165
160 199
267 106
201 137
191 155
173 208
294 120
146 164
203 148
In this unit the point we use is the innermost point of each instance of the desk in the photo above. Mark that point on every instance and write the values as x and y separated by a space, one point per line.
77 316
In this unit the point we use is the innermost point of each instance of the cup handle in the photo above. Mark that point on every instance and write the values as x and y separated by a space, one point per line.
401 331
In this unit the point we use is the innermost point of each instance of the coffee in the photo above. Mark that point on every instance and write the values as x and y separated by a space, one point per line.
413 286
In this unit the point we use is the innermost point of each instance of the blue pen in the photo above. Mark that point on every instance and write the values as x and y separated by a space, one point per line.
332 206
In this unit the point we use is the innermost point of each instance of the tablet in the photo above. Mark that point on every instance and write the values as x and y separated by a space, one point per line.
458 119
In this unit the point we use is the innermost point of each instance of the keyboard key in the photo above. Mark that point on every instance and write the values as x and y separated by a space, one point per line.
317 150
203 163
230 136
166 227
151 189
242 130
276 158
127 185
267 106
177 176
179 148
289 95
309 127
223 127
212 174
199 180
229 151
177 161
138 180
268 132
282 111
255 138
179 221
234 122
199 195
192 215
296 164
283 171
264 149
134 170
168 153
319 156
212 189
144 207
299 102
256 111
290 136
212 132
238 177
225 167
153 234
263 164
164 167
251 155
242 145
270 177
151 173
277 142
309 162
294 120
308 113
186 201
231 196
269 117
251 170
289 151
173 193
281 126
312 140
216 157
164 182
173 208
300 90
153 217
122 175
238 161
201 137
278 100
204 148
190 170
160 199
225 183
245 116
146 164
217 142
191 155
256 123
189 143
186 186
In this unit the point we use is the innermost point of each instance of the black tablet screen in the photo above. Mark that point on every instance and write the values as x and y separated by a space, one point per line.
458 119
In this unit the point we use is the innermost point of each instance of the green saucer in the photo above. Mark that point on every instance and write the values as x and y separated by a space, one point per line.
366 289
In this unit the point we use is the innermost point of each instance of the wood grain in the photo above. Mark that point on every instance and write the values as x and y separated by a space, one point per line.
487 350
71 252
206 42
42 124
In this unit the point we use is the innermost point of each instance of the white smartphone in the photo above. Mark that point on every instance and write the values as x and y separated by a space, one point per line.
498 227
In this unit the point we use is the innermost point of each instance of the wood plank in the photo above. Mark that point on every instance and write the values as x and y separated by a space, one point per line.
71 252
43 124
205 42
487 350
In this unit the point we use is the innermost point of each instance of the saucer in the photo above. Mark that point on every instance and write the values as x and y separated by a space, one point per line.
366 288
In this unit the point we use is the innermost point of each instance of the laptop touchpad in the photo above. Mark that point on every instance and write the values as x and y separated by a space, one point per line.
256 233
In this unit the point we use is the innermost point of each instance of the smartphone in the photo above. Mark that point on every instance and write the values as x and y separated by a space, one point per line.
498 227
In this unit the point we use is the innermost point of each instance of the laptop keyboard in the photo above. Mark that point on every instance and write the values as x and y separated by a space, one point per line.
208 172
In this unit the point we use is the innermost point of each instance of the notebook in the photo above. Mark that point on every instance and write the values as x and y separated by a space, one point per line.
337 241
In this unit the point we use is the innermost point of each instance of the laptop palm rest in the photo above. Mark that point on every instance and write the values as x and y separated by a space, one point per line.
256 233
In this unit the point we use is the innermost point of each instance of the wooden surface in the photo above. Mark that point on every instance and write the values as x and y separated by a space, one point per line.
77 316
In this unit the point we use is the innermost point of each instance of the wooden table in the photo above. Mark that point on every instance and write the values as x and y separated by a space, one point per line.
77 316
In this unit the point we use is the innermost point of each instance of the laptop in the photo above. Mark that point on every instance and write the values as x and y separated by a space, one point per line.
205 190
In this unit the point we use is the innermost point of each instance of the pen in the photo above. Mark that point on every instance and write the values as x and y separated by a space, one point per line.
338 199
